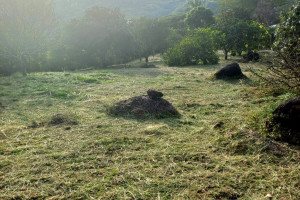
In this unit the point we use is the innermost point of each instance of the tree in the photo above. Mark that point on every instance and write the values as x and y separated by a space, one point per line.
151 36
101 38
196 3
285 70
250 5
240 35
199 17
25 28
266 13
198 46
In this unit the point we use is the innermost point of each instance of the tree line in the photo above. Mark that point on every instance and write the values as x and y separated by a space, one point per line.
31 38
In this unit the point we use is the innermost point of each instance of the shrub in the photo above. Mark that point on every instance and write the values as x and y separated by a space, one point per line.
198 46
284 72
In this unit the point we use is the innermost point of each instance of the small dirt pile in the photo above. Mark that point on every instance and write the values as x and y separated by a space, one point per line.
251 56
230 71
61 119
286 121
146 105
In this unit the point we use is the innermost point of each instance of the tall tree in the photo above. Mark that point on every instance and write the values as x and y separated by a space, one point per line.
196 3
266 13
151 36
25 28
100 38
199 17
240 35
229 4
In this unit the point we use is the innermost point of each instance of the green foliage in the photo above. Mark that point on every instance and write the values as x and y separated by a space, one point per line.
101 38
240 35
250 5
87 79
285 70
151 36
198 46
199 17
265 11
25 28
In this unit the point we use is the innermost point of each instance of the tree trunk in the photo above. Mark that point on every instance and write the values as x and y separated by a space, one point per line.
226 54
22 66
147 59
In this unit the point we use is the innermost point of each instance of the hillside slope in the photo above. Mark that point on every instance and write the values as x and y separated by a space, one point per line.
67 9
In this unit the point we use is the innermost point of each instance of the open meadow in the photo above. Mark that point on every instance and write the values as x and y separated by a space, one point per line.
215 150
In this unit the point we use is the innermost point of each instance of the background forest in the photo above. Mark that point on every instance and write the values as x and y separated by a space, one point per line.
68 35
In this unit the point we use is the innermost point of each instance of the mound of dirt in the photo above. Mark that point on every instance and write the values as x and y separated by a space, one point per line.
61 119
230 71
286 120
155 95
145 105
251 56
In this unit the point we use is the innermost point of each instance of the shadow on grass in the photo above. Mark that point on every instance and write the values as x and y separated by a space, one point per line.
237 80
207 67
136 71
168 120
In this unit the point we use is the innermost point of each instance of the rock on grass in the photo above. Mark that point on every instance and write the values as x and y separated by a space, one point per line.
230 71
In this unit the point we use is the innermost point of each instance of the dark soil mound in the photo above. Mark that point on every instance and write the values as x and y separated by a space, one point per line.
61 119
230 71
155 95
286 121
143 106
251 56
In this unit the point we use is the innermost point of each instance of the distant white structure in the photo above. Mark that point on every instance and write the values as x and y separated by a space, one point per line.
273 26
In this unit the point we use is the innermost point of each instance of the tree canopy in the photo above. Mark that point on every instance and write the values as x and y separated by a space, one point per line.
26 26
199 17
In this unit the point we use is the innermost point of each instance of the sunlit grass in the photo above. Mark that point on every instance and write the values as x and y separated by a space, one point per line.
105 157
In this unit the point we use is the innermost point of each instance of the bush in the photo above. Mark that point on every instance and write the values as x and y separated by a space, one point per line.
284 72
198 46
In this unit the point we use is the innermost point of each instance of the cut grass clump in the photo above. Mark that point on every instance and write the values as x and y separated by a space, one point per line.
56 120
64 94
63 119
87 79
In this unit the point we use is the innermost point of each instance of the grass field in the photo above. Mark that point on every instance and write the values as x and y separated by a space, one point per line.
106 157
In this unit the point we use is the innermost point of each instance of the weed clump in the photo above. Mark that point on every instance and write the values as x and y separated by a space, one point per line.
62 119
151 105
87 79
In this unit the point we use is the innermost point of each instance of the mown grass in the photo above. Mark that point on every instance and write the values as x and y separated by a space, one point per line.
106 157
